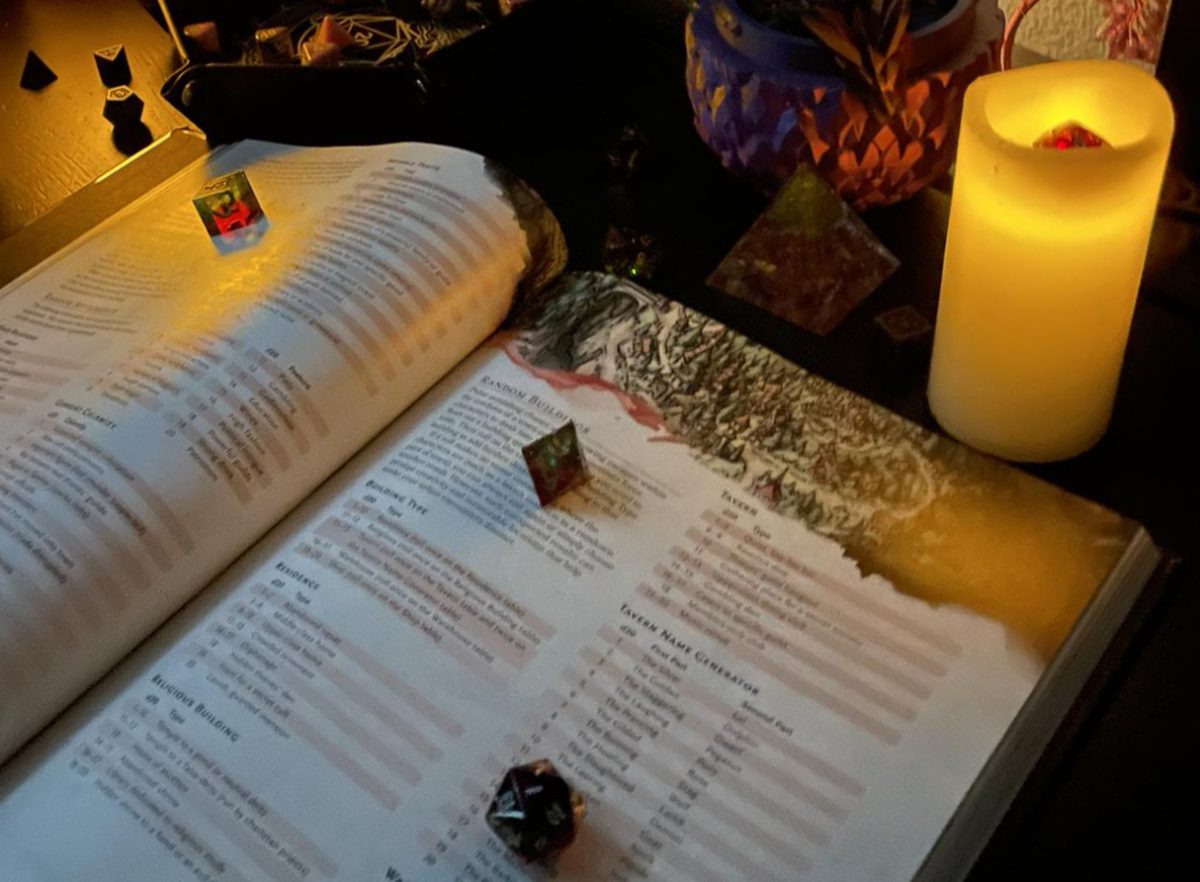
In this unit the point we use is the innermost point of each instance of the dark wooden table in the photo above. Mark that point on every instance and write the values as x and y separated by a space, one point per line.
545 101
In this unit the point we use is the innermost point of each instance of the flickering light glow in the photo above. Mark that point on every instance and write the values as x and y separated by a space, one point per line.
1044 255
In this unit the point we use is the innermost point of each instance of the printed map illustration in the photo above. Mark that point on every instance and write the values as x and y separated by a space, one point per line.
938 520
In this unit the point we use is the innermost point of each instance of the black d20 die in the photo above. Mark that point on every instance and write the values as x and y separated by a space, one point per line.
535 812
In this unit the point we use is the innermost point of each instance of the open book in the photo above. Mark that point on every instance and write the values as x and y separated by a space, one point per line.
267 498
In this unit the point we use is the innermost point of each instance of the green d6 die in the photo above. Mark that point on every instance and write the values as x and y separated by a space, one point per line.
227 204
556 463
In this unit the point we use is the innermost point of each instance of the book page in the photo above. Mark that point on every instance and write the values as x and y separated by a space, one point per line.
166 398
731 695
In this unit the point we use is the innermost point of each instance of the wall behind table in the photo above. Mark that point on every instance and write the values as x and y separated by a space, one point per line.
1062 29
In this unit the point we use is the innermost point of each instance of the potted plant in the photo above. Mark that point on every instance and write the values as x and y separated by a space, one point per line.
869 92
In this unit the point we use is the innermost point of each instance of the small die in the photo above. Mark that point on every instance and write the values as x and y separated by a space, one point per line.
275 45
204 37
122 106
535 812
314 54
556 463
113 65
228 204
36 75
906 335
332 32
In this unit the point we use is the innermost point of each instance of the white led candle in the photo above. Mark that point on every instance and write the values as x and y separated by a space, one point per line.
1044 255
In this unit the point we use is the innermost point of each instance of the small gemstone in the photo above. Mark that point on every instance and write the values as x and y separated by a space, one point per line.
630 252
1069 136
625 153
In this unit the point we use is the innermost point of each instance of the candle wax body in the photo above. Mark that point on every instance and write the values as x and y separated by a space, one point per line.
1044 256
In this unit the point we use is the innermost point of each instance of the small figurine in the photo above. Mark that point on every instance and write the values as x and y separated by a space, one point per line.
228 204
556 463
535 811
113 65
36 75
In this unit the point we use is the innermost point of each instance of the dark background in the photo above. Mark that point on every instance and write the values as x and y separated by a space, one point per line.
544 93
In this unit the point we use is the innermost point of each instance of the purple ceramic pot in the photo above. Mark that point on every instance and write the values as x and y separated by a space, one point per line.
766 101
